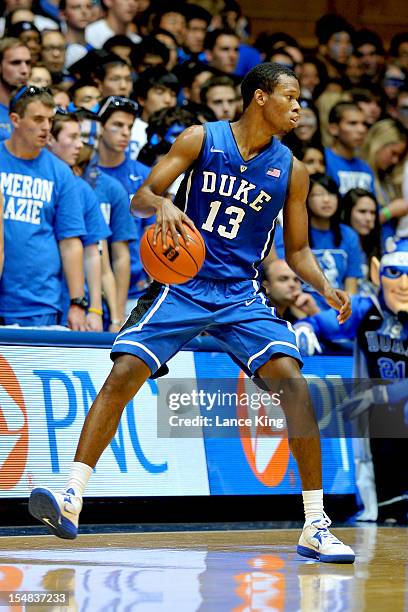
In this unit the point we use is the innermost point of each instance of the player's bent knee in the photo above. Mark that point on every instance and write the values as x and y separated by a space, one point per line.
128 370
279 367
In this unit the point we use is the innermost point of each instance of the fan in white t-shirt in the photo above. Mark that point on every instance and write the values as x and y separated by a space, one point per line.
156 88
118 20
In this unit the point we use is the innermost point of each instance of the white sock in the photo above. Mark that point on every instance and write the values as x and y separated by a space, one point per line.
313 505
78 477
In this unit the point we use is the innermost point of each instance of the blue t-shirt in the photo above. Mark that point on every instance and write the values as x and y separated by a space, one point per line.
96 230
95 224
248 58
114 203
5 124
337 263
41 207
349 173
131 174
234 202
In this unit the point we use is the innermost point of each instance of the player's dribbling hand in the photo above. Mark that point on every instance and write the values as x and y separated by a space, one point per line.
340 300
169 217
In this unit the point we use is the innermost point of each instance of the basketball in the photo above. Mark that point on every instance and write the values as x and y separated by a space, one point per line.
169 266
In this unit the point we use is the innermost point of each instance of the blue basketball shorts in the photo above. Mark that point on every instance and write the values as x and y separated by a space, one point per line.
236 313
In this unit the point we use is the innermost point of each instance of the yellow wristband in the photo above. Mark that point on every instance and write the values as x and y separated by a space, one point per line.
97 311
387 213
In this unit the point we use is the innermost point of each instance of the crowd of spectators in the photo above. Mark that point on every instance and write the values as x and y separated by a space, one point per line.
93 94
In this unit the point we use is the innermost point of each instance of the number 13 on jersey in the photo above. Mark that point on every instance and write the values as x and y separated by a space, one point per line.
236 216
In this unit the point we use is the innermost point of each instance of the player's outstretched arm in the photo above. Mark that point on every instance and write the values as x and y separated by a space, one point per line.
149 200
298 253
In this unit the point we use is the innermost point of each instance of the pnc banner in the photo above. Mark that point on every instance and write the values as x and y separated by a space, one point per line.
46 392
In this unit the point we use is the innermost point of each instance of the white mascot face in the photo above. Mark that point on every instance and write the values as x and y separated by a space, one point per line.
392 275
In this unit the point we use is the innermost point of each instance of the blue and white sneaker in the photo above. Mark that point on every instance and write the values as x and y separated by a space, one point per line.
58 511
316 542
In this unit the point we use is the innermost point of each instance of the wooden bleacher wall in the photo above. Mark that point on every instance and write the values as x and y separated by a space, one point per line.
298 17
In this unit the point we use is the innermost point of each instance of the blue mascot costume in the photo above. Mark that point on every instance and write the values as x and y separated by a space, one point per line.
379 326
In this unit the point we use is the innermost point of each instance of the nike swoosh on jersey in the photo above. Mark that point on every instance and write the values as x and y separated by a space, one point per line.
249 302
214 150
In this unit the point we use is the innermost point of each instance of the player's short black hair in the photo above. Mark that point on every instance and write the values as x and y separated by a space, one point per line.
337 111
264 76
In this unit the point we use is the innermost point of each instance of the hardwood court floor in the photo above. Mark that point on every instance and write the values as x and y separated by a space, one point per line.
217 571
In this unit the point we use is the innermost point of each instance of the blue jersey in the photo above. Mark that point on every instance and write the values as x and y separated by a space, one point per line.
349 173
132 174
337 262
234 202
5 123
41 207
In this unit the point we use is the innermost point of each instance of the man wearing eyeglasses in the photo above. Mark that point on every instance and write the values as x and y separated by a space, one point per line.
43 220
15 67
117 115
53 54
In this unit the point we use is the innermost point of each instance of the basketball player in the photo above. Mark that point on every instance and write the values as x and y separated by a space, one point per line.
237 178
